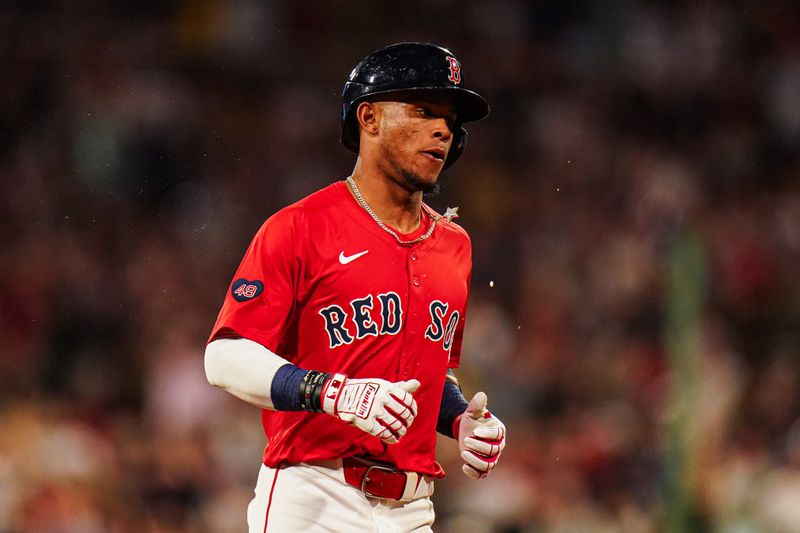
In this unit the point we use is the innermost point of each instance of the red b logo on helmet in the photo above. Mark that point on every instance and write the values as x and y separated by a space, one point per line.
455 70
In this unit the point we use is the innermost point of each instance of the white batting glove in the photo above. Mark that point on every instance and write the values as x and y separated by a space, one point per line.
379 407
481 438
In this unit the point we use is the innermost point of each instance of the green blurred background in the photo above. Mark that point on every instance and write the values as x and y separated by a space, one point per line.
634 206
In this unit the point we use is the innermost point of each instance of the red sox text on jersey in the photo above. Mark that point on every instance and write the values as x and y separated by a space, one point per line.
325 287
344 328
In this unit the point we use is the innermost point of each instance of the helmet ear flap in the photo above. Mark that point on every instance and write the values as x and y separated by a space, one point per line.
458 147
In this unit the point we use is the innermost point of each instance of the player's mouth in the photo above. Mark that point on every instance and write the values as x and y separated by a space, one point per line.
436 154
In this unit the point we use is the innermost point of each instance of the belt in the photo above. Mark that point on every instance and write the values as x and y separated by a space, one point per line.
380 481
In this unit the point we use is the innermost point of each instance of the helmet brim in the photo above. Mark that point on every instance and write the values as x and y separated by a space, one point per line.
470 106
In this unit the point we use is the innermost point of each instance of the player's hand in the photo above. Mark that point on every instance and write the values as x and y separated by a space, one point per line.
379 407
481 438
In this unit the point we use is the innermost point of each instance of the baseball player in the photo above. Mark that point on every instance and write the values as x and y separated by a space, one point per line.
345 317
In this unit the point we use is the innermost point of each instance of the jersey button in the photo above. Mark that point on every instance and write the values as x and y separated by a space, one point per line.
415 281
413 256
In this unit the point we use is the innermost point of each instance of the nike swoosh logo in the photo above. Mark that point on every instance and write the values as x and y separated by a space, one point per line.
344 259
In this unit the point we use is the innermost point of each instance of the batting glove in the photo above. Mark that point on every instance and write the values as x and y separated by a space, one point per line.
379 407
481 438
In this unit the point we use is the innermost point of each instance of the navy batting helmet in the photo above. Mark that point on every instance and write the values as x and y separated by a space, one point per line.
411 67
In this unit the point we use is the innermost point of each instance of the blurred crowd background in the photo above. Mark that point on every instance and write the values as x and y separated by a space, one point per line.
634 206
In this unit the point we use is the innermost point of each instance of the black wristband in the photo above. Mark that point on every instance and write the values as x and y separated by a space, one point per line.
311 390
316 398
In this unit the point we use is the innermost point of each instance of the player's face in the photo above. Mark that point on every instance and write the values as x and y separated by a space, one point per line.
416 135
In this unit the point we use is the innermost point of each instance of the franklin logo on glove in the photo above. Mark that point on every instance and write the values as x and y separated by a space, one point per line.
381 408
357 398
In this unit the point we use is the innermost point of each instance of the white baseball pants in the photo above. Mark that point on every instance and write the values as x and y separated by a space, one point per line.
306 498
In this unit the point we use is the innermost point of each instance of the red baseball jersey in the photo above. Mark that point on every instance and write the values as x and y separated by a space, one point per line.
325 287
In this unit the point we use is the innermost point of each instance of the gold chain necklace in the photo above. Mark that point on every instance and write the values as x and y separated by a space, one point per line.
383 226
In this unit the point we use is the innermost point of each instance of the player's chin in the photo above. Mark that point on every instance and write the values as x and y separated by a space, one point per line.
429 171
419 180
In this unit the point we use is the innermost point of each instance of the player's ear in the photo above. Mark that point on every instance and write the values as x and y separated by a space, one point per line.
368 116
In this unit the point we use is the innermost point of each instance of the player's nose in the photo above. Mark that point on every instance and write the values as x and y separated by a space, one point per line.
442 130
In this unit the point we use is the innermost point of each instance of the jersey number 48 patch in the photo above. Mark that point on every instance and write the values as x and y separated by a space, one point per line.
243 289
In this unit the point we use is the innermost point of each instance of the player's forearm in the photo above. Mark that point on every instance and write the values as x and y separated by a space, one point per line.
254 374
453 404
262 378
244 368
